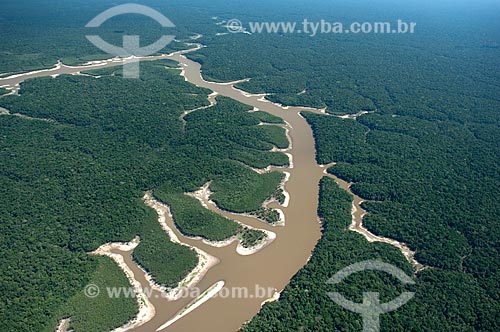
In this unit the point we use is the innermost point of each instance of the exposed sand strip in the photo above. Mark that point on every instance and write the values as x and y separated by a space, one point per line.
4 111
63 325
56 67
282 185
274 298
353 116
195 37
146 309
207 295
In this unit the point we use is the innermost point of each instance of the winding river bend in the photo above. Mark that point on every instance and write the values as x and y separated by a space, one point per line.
270 268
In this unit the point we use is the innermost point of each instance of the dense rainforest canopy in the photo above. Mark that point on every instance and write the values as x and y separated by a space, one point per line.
426 159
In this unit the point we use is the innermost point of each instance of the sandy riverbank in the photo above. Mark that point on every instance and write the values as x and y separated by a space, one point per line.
211 99
285 192
207 295
357 226
203 196
353 116
57 66
270 237
274 298
205 260
63 325
146 309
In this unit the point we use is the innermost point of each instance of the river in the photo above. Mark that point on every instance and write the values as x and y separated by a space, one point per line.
270 268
